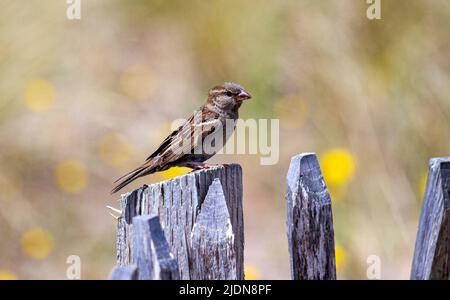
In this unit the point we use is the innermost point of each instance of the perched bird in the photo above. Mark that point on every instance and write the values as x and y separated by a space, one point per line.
185 147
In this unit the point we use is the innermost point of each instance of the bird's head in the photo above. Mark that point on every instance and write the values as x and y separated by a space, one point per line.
228 95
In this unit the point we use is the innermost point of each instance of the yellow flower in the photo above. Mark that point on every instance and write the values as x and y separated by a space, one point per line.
338 166
341 256
37 243
6 275
423 184
114 150
71 176
138 82
291 110
174 172
39 95
251 272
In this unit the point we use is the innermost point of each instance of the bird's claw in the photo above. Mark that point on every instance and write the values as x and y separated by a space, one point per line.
113 210
200 166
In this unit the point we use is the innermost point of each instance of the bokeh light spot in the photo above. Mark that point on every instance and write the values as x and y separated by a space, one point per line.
174 172
39 95
37 243
341 256
251 272
71 176
114 150
7 275
338 166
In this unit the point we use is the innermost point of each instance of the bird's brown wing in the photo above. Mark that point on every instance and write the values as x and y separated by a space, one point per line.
185 138
179 143
168 139
172 147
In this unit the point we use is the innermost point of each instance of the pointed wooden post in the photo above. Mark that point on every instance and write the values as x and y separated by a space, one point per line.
142 248
178 202
151 251
432 251
214 255
309 220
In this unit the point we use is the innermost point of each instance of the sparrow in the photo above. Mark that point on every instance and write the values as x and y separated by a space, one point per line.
185 147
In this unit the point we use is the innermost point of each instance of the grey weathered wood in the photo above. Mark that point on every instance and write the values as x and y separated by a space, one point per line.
432 251
213 253
166 267
124 273
142 250
177 202
151 251
309 220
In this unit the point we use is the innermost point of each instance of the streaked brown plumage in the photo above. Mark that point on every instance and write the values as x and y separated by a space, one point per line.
184 146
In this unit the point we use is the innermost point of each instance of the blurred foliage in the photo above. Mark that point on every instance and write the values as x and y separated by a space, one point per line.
84 101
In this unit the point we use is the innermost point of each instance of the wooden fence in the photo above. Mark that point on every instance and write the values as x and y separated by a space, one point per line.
432 252
191 227
202 219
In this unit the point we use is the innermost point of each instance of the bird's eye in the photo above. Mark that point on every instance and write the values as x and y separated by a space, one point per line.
228 93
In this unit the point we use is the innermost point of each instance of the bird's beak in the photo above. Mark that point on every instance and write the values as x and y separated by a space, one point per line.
243 95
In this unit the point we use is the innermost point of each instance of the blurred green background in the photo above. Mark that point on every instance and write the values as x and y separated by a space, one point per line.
83 101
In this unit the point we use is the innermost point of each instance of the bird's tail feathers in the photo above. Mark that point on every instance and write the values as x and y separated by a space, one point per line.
130 177
129 174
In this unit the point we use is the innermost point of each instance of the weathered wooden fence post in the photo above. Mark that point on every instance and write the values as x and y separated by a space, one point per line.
432 251
151 251
212 235
309 220
124 273
183 212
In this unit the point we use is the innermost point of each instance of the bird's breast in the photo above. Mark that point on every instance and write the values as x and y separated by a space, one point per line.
211 143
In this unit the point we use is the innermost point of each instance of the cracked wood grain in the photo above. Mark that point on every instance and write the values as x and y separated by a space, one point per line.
178 202
213 252
151 252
